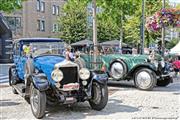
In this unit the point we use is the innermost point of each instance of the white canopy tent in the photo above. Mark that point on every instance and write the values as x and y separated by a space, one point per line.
176 49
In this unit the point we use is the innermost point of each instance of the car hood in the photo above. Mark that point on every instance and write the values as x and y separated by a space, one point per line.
130 60
46 63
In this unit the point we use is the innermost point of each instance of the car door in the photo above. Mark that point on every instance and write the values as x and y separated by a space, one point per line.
20 61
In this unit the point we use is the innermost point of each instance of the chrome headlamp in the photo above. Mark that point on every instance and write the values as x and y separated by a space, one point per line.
57 75
84 73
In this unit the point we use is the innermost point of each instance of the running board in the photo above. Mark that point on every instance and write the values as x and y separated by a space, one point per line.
20 88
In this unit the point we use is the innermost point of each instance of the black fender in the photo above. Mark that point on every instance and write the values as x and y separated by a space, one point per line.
99 77
40 82
144 65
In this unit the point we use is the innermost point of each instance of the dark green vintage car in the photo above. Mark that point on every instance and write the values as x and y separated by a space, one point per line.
145 71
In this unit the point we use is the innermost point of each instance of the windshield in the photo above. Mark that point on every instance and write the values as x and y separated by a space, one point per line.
43 48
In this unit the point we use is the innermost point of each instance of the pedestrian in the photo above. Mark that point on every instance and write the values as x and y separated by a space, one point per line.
68 54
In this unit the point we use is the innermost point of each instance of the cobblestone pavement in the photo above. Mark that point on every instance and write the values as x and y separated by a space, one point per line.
125 102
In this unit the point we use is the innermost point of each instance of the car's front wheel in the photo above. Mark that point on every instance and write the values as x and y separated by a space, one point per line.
145 79
99 96
164 82
37 101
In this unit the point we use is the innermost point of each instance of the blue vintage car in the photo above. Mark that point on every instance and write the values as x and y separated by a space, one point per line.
42 75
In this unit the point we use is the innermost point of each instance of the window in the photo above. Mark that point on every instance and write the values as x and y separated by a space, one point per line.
57 10
14 22
54 10
41 25
38 5
54 27
38 25
42 6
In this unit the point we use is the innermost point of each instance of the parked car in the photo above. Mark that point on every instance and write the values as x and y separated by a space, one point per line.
147 72
42 75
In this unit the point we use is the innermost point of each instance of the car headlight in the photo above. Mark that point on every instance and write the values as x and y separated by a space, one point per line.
57 75
84 73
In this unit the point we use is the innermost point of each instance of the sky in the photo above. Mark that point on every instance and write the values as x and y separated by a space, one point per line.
177 1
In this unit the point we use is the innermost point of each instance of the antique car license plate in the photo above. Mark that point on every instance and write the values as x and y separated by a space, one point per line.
71 86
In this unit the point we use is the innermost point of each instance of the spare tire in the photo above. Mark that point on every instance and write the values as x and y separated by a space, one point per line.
81 63
118 69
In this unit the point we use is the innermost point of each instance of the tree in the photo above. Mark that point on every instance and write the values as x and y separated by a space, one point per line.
114 17
10 5
73 21
132 26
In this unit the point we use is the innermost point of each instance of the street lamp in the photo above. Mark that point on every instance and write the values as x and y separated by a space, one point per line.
142 28
163 34
94 31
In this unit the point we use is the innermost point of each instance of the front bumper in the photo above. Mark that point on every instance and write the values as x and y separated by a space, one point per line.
170 74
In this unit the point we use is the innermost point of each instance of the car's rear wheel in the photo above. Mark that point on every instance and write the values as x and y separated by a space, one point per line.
13 78
37 101
165 82
145 79
99 96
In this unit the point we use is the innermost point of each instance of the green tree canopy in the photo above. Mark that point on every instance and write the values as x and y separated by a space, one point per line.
73 21
116 16
10 5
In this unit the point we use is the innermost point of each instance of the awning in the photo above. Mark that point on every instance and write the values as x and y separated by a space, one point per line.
176 49
112 43
82 43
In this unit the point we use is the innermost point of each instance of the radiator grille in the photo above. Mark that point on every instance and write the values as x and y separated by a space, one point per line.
70 75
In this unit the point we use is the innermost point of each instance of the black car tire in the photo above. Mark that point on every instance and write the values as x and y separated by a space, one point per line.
99 96
124 68
80 62
165 82
12 78
14 91
152 80
37 102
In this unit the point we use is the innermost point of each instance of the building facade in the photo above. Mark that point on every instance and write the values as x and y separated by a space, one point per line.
37 18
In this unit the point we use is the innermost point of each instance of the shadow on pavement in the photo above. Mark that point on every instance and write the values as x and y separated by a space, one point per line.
124 84
5 103
82 110
172 87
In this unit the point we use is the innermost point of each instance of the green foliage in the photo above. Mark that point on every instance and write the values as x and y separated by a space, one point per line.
107 28
111 21
10 5
116 16
73 21
172 43
132 25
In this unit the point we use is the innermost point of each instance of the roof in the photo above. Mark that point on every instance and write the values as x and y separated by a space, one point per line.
113 43
38 40
82 43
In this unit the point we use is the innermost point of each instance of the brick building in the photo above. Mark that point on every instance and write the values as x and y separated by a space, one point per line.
37 18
